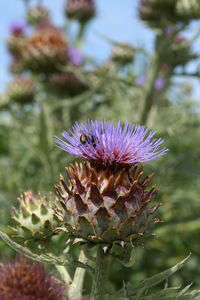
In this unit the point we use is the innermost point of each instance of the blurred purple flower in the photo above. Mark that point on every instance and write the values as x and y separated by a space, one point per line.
169 30
159 83
18 27
141 80
103 143
75 56
23 280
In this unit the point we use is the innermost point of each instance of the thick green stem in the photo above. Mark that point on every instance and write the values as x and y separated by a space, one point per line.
100 277
76 287
64 274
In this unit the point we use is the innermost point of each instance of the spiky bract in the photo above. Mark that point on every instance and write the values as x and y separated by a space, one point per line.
34 218
102 206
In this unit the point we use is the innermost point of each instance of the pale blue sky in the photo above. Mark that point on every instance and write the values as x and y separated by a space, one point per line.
115 19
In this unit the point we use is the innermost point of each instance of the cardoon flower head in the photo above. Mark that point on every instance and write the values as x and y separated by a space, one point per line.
123 53
45 51
67 83
106 200
188 9
34 219
103 143
22 280
17 38
18 28
37 15
80 10
21 90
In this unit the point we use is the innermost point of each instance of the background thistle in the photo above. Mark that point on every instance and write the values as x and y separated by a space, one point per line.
188 9
21 90
23 280
45 51
80 10
123 53
37 15
17 38
34 219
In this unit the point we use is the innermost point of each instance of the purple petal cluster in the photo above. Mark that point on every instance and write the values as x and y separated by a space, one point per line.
104 143
75 56
159 83
18 27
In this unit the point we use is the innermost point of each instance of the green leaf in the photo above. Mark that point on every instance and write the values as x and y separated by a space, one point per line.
65 260
156 279
125 254
142 290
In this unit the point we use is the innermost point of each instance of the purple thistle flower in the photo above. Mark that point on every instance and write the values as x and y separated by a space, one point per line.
103 143
18 27
159 83
75 56
169 30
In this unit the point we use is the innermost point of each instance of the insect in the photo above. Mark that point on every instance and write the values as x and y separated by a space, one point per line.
89 139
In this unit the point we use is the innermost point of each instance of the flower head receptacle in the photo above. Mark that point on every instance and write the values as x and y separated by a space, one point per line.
106 207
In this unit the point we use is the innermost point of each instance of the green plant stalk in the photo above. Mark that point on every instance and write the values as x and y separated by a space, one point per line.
159 99
64 274
149 92
76 287
100 276
161 47
81 35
